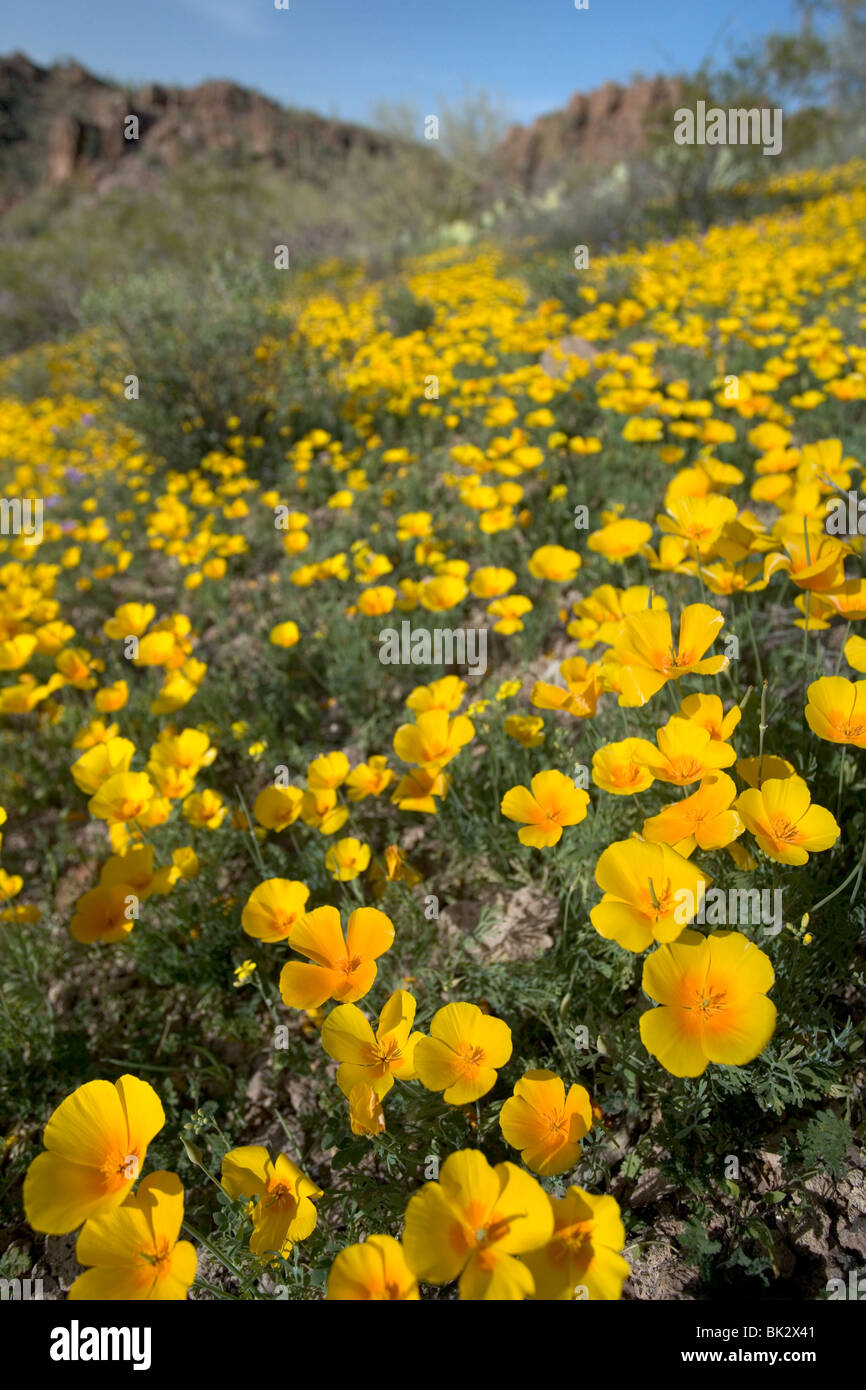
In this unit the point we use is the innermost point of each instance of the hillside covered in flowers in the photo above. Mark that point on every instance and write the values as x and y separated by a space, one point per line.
432 779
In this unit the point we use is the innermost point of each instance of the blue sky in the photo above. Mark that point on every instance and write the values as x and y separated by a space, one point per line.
340 57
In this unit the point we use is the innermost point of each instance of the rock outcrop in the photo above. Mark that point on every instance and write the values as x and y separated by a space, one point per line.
593 129
63 123
63 126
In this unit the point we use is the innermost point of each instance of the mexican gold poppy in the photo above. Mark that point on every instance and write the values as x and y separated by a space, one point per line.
712 991
581 692
368 779
122 797
278 807
446 694
620 539
100 762
599 617
855 653
321 809
95 1146
434 739
417 790
686 752
554 562
283 1213
552 802
546 1123
274 908
646 651
836 710
642 884
134 1250
366 1115
342 968
347 859
205 809
754 771
462 1054
327 772
784 822
111 697
617 768
816 563
472 1223
582 1260
708 711
509 613
375 1271
130 620
105 913
284 635
376 1059
704 820
698 520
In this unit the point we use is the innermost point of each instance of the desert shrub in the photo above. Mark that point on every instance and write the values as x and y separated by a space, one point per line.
189 339
405 313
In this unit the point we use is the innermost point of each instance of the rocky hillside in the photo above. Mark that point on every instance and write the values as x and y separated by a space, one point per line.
594 129
62 123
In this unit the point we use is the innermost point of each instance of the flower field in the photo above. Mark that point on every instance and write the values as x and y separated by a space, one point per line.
433 815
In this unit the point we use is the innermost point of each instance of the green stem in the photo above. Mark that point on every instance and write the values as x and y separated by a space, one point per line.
762 729
217 1293
700 573
257 852
806 631
265 1000
842 648
759 671
841 776
856 872
212 1250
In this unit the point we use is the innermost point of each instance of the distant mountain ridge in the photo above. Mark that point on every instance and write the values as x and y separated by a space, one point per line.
62 125
62 122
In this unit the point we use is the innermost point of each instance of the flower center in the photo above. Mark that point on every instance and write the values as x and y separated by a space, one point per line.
845 725
658 901
472 1056
687 768
708 1001
676 660
784 829
572 1243
383 1054
495 1230
280 1195
119 1169
159 1258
